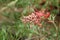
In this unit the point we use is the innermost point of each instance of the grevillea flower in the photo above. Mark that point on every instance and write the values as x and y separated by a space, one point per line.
39 14
47 15
36 17
42 14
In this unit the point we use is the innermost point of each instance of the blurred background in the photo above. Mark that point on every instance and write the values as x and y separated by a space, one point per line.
15 13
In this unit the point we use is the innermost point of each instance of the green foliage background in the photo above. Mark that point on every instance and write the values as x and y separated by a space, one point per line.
15 29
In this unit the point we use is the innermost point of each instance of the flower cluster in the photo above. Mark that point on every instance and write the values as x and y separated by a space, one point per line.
36 17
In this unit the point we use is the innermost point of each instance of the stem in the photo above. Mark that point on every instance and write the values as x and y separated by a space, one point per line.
56 30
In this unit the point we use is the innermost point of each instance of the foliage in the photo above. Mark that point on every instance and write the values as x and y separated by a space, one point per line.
12 27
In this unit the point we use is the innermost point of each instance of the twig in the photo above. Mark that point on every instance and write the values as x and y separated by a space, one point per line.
56 30
9 4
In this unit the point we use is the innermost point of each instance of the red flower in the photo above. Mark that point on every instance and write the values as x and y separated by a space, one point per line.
39 14
47 15
37 17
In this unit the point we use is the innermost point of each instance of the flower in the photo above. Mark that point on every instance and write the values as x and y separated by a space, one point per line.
39 14
37 17
47 15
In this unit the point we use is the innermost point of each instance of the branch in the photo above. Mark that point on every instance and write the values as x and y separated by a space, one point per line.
9 4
